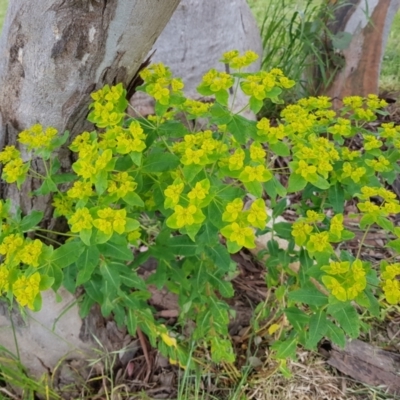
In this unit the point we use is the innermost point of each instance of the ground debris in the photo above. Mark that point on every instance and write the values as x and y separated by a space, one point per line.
368 364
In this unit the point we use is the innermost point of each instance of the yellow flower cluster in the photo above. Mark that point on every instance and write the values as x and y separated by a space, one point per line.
240 230
121 184
25 289
109 106
62 205
237 61
363 108
195 198
390 283
110 220
345 280
199 148
14 169
196 108
259 85
16 250
216 81
160 84
390 204
305 231
36 137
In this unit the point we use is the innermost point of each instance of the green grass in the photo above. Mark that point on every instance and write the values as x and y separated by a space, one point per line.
280 13
3 9
390 73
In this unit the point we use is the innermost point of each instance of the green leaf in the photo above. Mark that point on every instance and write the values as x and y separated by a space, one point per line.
280 149
347 317
285 349
47 187
317 329
208 234
255 105
63 178
129 277
183 246
111 275
283 230
279 208
241 128
335 334
297 318
219 255
394 244
87 262
341 40
136 157
321 183
31 220
45 282
118 251
255 188
214 211
131 321
66 254
190 171
172 128
296 183
160 162
336 198
310 296
133 199
385 224
222 97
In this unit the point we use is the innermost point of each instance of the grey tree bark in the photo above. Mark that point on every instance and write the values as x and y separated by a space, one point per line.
53 54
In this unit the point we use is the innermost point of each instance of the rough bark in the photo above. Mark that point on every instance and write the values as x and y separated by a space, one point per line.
369 23
54 53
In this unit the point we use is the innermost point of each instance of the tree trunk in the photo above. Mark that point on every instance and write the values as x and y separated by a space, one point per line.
54 53
369 24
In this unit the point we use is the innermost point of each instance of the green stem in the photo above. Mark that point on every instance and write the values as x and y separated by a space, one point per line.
362 241
55 232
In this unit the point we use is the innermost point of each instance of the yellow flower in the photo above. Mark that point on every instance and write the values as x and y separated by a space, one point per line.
232 210
236 160
257 216
391 271
300 232
11 246
306 171
257 153
336 267
80 190
110 220
62 205
243 236
314 217
15 170
335 287
4 275
319 242
26 289
30 253
121 185
336 226
36 138
8 154
258 174
185 215
371 142
199 192
392 291
173 193
81 220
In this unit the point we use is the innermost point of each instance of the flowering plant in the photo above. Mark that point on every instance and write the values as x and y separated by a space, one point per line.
179 190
